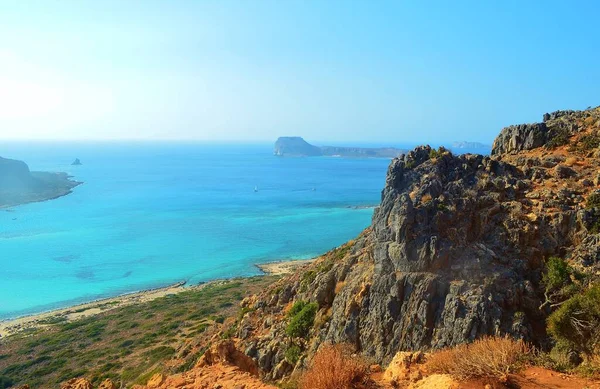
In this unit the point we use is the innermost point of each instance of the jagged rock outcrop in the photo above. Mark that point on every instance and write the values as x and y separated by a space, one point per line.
455 251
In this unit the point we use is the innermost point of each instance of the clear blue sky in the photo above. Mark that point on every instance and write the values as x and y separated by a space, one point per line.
375 71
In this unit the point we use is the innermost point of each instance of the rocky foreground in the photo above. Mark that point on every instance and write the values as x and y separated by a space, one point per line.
19 186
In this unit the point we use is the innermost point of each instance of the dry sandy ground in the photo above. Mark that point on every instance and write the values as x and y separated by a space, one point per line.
283 267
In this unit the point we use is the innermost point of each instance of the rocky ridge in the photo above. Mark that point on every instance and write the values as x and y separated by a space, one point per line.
456 250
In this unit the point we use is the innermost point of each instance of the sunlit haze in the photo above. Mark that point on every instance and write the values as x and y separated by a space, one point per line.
251 71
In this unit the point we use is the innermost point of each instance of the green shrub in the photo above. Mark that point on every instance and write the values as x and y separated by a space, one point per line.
577 321
557 273
5 382
301 322
588 142
292 354
433 153
593 201
296 308
558 281
560 138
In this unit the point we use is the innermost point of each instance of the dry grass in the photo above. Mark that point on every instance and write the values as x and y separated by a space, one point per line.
334 367
490 357
339 286
572 161
426 198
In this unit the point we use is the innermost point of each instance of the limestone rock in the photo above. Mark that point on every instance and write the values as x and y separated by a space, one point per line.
77 383
107 384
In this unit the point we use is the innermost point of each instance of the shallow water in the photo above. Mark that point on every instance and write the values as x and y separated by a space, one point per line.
152 214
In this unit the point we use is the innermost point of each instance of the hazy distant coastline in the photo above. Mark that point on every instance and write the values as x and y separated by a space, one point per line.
19 185
295 146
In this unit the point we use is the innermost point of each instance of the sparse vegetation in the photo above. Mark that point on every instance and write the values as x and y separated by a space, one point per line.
293 354
301 319
587 142
433 154
560 138
559 281
334 367
125 344
593 201
577 322
490 357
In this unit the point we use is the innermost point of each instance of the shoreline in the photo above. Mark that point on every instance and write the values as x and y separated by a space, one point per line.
9 327
91 308
281 267
60 178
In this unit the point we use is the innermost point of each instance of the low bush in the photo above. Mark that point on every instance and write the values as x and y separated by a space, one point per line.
301 319
433 153
334 367
560 282
560 138
5 382
593 201
588 142
577 322
292 354
490 357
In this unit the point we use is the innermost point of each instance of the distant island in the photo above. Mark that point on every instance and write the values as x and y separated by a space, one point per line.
470 145
76 162
19 185
295 146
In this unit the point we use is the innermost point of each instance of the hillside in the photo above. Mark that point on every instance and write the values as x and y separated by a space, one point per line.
19 186
458 249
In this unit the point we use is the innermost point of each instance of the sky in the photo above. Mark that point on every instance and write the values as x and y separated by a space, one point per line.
369 71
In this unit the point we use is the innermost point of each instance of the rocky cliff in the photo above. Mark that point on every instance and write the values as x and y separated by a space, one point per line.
295 146
19 186
456 250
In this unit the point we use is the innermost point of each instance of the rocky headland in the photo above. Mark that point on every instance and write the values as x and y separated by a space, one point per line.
295 146
19 185
458 249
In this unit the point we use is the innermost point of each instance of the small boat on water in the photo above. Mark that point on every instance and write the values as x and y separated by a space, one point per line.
256 188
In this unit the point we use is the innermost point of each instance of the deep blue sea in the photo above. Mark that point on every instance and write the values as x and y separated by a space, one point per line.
152 214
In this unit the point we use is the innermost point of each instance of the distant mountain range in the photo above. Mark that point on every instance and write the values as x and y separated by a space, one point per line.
295 146
470 145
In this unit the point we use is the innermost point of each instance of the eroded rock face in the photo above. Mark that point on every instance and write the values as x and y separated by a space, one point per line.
451 259
520 137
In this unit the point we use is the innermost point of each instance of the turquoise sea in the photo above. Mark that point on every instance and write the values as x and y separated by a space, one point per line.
152 214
